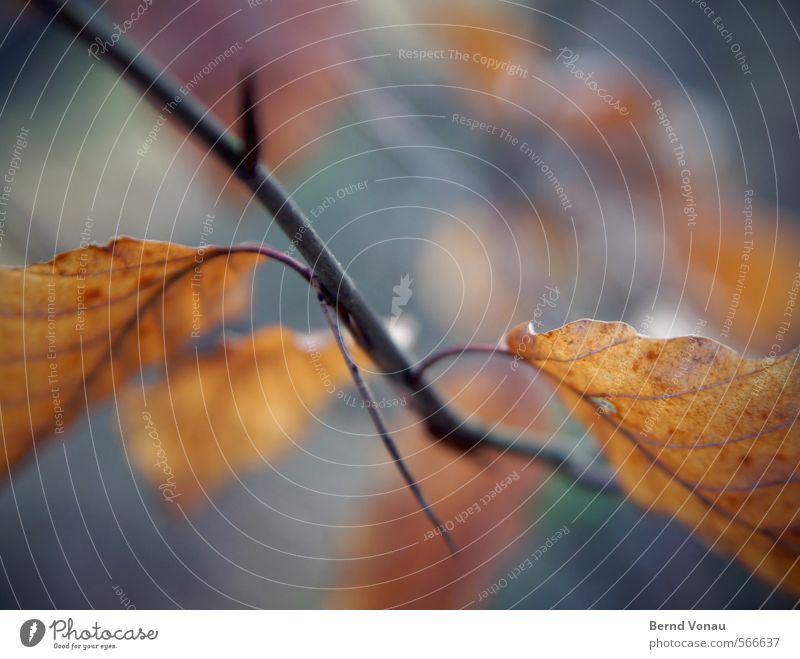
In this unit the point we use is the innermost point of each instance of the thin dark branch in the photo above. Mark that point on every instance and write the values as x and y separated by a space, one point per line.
366 326
369 401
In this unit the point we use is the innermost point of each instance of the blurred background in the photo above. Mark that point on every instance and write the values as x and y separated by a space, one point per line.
513 161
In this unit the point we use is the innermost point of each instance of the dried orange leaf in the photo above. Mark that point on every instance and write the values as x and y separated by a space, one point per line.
243 405
694 430
73 328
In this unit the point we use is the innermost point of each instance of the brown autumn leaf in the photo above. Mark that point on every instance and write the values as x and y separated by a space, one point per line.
694 430
74 328
243 405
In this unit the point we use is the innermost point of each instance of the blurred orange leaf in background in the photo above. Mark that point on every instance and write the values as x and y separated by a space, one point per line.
242 405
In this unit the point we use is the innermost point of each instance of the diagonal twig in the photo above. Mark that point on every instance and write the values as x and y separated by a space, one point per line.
367 327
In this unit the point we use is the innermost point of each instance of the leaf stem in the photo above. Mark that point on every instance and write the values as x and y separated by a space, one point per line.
274 253
456 351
